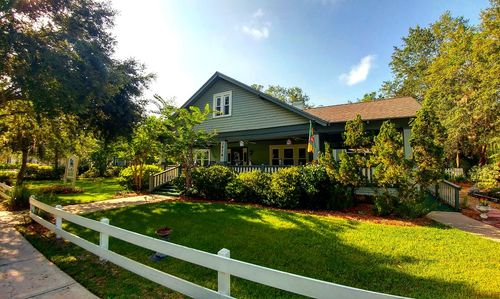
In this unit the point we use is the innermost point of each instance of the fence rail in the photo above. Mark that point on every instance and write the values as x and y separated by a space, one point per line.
448 193
221 262
159 179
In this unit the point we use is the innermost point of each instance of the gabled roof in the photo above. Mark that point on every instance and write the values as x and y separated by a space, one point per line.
260 94
402 107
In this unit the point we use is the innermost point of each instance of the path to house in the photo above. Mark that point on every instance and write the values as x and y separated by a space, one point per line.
460 221
25 272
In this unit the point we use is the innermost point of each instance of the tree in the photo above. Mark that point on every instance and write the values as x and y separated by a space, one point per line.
181 135
290 95
427 141
370 97
349 170
463 86
355 135
143 144
20 132
411 61
388 155
55 53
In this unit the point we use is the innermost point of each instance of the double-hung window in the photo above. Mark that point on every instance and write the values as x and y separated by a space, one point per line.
222 104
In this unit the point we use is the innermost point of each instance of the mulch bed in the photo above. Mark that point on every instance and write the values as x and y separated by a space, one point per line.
361 212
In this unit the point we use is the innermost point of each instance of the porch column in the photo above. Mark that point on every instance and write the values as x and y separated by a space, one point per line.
406 143
316 147
223 151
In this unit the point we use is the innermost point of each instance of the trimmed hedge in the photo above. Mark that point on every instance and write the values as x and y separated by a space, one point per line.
126 177
43 172
308 187
211 182
249 187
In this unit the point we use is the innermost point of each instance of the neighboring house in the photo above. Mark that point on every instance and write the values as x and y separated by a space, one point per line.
254 128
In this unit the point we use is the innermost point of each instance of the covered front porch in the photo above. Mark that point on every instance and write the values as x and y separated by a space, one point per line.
284 146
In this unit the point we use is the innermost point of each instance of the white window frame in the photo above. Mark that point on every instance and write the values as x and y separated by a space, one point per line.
204 152
214 103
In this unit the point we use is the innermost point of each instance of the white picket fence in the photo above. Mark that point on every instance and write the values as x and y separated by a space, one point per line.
221 262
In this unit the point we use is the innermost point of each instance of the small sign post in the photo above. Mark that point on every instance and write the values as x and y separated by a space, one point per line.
71 170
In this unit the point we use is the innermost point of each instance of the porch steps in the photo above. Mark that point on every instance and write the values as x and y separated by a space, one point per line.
168 190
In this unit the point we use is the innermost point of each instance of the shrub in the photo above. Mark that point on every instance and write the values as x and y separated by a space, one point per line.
485 177
249 187
7 177
211 182
19 198
43 172
126 177
9 166
112 171
407 203
285 189
90 173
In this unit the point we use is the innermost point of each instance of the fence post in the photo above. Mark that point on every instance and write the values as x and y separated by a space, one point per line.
150 183
103 240
457 199
58 223
32 207
224 279
436 195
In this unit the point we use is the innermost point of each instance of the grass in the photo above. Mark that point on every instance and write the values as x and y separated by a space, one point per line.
93 190
417 261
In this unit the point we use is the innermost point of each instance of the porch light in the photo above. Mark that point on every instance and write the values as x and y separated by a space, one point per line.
242 143
288 141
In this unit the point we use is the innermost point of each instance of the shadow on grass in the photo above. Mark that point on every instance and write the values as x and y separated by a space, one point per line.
305 245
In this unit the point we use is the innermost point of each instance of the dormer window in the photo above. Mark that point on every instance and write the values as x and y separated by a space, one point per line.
222 104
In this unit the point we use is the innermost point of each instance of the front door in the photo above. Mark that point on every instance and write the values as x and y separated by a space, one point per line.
238 156
295 154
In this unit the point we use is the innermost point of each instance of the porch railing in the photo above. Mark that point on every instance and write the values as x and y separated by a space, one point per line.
263 168
159 179
448 193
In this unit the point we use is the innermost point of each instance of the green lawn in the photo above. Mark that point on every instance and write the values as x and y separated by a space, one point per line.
416 261
93 190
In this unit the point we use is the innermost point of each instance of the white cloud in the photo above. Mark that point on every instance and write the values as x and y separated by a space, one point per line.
258 14
358 72
255 32
257 28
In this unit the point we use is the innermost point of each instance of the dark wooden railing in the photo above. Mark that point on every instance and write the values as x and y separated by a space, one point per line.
448 193
159 179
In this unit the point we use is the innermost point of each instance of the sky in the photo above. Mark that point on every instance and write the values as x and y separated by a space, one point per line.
335 50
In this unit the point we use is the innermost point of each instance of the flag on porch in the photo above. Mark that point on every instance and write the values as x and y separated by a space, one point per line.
310 145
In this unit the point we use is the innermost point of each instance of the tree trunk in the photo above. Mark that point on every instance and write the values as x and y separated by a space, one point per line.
457 159
482 156
22 170
56 159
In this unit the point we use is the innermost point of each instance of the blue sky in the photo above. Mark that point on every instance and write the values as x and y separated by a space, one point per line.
335 50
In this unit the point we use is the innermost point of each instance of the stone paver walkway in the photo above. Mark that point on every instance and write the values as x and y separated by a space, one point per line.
462 222
116 203
26 273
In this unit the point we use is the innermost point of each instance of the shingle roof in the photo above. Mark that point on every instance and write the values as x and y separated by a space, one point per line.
381 109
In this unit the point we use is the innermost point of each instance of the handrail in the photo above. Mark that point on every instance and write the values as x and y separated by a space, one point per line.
220 262
161 178
447 192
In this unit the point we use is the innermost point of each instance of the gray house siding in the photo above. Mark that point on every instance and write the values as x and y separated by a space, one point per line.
249 111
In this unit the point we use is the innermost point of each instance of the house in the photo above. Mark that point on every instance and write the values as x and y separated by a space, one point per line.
254 128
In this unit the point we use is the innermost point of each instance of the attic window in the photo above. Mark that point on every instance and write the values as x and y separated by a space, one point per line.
222 104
